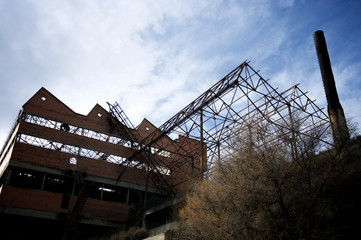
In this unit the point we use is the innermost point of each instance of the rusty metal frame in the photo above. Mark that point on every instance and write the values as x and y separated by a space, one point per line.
240 100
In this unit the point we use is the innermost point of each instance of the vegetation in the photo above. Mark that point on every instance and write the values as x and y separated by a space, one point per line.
131 234
288 189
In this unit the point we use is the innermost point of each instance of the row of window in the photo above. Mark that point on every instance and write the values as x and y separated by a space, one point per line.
67 185
53 145
84 152
89 133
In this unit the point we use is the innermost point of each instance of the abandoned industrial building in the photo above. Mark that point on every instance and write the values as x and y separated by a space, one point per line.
63 172
58 165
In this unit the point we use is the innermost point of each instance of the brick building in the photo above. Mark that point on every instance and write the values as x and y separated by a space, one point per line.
63 170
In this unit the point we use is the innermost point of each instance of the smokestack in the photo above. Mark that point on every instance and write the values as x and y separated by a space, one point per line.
335 112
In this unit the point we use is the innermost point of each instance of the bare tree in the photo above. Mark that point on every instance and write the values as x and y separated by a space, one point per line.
283 189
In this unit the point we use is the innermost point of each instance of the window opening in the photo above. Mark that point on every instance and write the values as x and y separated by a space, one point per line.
114 194
73 161
26 178
93 190
135 196
82 132
58 184
65 127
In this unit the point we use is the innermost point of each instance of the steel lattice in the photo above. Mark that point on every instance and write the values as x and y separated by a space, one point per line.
240 100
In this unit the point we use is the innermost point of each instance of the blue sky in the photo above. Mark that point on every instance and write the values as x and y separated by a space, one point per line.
155 57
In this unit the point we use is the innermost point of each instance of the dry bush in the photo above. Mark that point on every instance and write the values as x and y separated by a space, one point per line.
132 234
283 190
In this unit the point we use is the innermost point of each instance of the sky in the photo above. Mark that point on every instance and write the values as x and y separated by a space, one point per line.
155 57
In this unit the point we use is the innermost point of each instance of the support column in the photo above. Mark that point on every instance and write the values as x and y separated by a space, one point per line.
147 179
293 139
219 153
202 144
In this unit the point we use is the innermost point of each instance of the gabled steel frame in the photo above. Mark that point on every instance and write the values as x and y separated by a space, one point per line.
239 101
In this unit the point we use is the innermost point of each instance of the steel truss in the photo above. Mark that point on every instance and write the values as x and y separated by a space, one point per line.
205 128
241 100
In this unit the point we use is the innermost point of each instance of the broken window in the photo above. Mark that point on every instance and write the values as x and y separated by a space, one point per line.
58 184
114 194
26 178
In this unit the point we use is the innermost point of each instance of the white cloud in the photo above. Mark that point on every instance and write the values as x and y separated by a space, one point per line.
96 52
153 57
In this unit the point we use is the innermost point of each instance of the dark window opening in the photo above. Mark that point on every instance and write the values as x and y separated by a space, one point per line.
114 194
58 184
94 191
67 185
135 196
65 127
26 178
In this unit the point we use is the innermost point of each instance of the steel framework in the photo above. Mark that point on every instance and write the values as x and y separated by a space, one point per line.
199 135
240 100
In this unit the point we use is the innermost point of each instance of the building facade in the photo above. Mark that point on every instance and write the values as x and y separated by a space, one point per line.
67 172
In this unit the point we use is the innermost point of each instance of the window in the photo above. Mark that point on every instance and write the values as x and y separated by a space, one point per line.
73 161
58 184
114 194
26 178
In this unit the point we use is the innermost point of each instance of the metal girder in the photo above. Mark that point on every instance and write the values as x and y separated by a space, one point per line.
240 100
